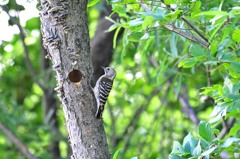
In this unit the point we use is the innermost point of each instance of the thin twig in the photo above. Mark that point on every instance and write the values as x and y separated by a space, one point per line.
26 51
186 107
187 35
172 28
208 76
227 125
195 29
23 149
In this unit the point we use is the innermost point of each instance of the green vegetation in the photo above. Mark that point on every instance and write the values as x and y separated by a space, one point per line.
176 93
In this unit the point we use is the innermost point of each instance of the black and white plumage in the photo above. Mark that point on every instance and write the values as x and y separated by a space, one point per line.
102 89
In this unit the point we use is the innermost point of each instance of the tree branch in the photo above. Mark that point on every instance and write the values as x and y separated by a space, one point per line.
172 28
186 107
21 147
227 125
26 51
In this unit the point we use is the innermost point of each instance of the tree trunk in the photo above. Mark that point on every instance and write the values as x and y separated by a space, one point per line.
65 36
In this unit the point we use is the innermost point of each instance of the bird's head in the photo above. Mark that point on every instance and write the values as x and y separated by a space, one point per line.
110 72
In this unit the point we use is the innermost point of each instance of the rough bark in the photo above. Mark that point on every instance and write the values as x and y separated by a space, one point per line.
49 104
65 35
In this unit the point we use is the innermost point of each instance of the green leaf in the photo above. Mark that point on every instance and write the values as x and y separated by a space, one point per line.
136 22
119 9
220 111
234 130
173 156
211 63
116 154
189 143
92 2
135 37
228 142
148 21
205 131
187 63
217 28
173 44
167 2
197 150
212 13
115 36
213 47
145 36
112 27
198 52
234 109
195 8
173 15
209 151
33 23
225 56
122 1
177 148
236 35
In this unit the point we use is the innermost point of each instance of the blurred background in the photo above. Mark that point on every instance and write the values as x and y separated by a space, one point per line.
153 102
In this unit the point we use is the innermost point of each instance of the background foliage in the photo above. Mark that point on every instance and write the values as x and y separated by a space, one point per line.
165 85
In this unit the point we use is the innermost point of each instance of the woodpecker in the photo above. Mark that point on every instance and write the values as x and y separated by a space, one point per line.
102 89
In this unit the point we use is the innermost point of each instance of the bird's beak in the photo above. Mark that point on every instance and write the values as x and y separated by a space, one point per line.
103 67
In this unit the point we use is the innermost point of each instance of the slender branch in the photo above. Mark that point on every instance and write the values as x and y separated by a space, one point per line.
195 29
172 28
227 125
26 51
186 107
208 76
24 150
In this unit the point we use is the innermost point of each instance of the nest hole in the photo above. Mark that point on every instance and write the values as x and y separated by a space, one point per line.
75 76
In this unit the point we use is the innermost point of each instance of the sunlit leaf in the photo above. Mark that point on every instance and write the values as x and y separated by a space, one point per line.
147 21
197 150
236 35
135 37
209 151
173 156
116 154
187 63
170 1
212 13
92 2
177 148
205 131
228 142
234 130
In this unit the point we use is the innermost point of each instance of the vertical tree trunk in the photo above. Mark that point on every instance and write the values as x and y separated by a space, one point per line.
65 36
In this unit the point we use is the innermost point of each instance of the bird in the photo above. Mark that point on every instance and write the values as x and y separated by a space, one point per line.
102 89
